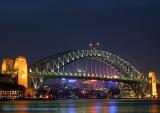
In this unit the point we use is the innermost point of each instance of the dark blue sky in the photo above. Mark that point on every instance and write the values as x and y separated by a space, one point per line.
127 28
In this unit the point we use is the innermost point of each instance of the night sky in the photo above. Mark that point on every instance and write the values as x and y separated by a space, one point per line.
40 28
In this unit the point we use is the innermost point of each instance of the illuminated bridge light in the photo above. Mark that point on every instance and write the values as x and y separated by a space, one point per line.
84 74
70 74
16 72
99 55
30 70
56 73
61 73
52 71
88 75
75 74
79 71
66 74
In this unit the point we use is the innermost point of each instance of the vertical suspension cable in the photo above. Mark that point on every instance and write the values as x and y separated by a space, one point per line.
98 67
73 67
95 68
86 69
90 66
108 70
103 69
63 69
77 67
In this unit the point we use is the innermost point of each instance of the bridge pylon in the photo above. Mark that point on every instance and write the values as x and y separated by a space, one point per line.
21 67
139 89
153 81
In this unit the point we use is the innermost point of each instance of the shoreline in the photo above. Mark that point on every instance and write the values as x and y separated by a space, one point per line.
140 99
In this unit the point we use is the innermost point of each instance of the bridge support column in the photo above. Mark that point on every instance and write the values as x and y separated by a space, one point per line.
153 77
138 89
37 82
21 66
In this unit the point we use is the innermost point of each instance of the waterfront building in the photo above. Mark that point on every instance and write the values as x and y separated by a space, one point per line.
11 91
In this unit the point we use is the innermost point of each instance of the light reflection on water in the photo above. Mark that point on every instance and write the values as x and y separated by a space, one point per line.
113 108
80 106
154 108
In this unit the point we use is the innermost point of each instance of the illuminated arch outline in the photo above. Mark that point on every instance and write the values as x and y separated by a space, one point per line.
54 63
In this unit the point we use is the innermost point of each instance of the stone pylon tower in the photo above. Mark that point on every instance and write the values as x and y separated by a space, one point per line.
7 65
21 66
153 77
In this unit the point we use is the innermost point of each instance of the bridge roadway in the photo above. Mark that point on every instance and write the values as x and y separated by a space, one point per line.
85 76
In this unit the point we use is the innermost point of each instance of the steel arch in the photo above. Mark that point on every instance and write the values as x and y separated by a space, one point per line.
56 62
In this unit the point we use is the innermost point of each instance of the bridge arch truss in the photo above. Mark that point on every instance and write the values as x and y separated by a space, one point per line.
52 65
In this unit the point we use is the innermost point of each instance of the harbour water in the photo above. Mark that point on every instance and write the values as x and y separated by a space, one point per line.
80 106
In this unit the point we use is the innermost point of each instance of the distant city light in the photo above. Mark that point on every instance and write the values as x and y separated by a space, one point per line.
90 45
93 80
63 79
72 80
97 44
79 71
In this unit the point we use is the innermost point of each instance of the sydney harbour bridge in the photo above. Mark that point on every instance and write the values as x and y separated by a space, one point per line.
88 64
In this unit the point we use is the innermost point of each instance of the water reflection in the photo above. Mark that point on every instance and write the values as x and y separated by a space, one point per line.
154 107
23 107
80 106
71 108
92 109
112 108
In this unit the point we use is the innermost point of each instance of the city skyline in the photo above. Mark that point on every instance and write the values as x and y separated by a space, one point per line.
127 29
69 56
